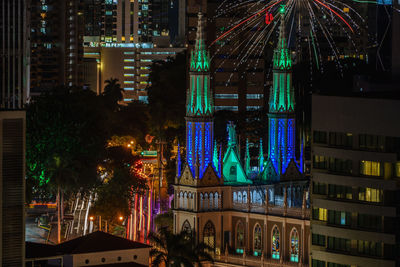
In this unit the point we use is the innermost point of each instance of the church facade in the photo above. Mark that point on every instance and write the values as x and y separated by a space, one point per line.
249 215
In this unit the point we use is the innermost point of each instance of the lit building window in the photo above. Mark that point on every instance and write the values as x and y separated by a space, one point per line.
240 238
370 194
370 168
257 240
320 214
209 235
294 246
275 244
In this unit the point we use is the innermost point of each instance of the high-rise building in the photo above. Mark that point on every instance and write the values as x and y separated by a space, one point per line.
56 44
13 86
125 21
250 215
127 62
14 64
355 172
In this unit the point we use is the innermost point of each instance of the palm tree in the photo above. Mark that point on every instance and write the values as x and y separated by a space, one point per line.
113 92
177 250
62 176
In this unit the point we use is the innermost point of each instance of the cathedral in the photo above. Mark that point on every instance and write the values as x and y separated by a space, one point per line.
249 215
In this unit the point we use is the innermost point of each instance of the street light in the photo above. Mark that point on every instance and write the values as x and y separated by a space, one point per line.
121 218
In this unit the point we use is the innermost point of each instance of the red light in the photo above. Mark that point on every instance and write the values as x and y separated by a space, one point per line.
268 18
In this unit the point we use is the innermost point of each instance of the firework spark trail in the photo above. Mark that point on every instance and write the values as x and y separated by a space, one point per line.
241 23
238 46
335 14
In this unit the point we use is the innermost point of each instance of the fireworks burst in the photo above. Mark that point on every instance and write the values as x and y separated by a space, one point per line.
317 29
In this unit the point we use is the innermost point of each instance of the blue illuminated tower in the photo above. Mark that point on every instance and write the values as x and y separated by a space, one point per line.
199 109
281 115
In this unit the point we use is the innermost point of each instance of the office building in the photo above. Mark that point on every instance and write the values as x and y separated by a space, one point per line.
128 62
13 87
56 44
249 214
355 172
127 21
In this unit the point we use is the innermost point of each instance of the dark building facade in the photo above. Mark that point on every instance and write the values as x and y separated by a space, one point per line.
56 44
13 86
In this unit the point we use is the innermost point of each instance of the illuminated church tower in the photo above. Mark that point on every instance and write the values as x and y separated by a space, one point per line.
199 109
281 115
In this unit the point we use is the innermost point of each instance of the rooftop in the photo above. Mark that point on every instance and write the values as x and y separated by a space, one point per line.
95 242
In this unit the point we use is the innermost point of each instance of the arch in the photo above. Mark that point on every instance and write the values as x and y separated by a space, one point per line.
205 202
257 240
209 235
211 201
201 201
185 201
181 200
235 197
294 245
240 237
190 200
276 246
244 197
240 197
186 227
216 200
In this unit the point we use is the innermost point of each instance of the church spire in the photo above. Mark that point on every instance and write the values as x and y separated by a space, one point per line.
282 58
281 116
199 108
261 157
200 58
199 101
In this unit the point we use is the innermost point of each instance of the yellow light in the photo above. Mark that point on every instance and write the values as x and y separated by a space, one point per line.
346 10
121 218
91 218
123 38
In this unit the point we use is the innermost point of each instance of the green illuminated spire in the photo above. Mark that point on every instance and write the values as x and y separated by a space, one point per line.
200 58
282 59
281 95
200 97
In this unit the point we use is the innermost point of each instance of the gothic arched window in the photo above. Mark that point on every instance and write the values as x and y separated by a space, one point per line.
235 197
211 204
201 201
244 197
257 240
240 197
209 235
181 200
216 200
205 202
276 246
190 201
185 201
186 227
240 237
294 246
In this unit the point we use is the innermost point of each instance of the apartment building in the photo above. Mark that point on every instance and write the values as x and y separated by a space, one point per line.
355 181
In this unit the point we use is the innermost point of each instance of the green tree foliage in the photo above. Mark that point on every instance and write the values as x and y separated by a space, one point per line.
65 140
177 250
